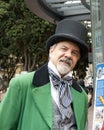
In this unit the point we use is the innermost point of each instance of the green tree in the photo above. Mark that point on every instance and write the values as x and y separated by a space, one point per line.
23 37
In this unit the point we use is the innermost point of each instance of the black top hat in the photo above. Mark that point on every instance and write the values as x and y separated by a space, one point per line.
68 30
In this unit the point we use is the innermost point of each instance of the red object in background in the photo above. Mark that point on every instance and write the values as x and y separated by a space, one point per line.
102 126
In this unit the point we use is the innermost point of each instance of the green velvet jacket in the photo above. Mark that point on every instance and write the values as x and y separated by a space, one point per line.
27 104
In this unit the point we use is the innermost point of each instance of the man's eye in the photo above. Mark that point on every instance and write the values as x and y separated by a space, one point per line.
75 53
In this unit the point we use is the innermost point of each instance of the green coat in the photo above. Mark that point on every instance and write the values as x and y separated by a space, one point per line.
27 104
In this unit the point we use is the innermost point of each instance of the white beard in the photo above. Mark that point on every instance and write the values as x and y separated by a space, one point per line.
62 69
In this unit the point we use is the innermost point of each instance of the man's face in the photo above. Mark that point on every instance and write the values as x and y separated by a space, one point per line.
64 55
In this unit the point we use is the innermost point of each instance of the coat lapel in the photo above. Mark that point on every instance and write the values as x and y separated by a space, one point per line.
42 94
79 105
43 101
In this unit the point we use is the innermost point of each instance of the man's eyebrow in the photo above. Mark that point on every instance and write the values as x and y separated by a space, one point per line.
65 46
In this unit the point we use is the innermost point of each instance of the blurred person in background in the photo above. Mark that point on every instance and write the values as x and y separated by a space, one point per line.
88 90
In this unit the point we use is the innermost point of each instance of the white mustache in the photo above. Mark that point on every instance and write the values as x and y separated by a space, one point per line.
68 61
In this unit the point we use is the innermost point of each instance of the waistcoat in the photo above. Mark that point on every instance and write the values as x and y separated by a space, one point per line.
58 123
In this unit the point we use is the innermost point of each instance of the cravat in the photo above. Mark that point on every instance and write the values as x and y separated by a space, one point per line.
64 92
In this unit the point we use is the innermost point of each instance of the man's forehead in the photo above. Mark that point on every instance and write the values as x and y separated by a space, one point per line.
68 44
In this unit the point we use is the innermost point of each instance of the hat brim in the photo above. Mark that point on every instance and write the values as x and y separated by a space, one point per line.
64 37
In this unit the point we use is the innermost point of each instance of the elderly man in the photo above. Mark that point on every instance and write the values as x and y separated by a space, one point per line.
49 98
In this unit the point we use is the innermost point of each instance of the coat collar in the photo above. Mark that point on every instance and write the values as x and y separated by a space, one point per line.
41 77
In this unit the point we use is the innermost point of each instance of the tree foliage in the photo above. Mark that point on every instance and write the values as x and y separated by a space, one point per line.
23 36
22 39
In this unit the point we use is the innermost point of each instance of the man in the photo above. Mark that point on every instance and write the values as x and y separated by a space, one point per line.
49 99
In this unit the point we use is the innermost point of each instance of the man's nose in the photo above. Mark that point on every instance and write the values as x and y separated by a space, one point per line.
68 54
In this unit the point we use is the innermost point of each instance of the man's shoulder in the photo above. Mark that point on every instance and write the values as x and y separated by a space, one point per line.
22 79
25 76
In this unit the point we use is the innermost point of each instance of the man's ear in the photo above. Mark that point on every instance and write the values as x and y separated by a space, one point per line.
52 48
50 51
